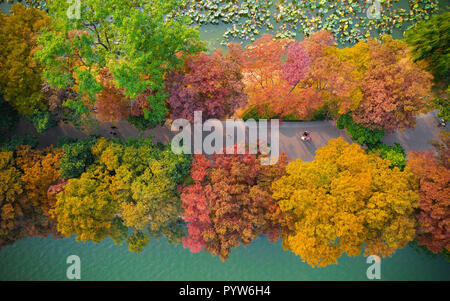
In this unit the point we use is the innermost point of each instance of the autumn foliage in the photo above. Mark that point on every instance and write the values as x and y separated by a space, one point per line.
230 203
344 201
208 83
129 193
433 172
111 104
274 71
24 204
20 74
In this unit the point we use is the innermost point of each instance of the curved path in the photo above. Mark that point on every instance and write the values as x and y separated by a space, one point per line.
418 138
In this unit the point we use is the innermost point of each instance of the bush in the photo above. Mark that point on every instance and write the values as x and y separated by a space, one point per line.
359 133
141 123
444 107
395 154
321 114
42 121
77 157
16 140
8 120
65 140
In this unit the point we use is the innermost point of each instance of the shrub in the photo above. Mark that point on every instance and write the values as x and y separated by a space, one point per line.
65 140
142 124
42 121
395 154
8 120
443 105
16 140
359 133
77 157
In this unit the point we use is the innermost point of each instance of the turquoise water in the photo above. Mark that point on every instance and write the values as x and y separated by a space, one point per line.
45 259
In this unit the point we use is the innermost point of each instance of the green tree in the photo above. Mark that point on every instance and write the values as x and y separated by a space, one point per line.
77 157
359 133
133 39
430 41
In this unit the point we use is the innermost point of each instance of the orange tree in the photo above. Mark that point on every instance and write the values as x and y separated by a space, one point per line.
433 172
24 203
274 72
346 200
386 89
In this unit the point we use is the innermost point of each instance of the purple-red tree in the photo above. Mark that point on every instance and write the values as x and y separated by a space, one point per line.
208 83
230 203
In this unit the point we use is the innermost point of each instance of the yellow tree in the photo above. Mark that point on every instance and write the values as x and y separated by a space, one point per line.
11 203
20 74
346 200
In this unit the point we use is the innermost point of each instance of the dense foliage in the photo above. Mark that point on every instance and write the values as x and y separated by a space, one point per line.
388 90
430 41
25 206
346 200
208 83
433 172
359 133
128 193
393 153
20 74
134 40
77 157
8 121
42 121
230 203
11 144
138 61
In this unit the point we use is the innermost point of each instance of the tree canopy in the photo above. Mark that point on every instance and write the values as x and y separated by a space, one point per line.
230 203
25 206
133 39
20 74
344 201
128 193
208 83
430 41
433 172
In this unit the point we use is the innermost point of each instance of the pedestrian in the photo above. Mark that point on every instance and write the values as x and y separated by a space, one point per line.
306 136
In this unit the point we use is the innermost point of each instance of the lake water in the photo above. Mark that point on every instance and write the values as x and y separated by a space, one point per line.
45 259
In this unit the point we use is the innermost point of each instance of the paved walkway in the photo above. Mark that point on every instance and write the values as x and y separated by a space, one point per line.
418 138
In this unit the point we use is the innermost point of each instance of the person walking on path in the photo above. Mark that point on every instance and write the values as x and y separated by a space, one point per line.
306 136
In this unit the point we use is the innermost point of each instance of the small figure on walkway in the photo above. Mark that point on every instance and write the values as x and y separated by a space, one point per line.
442 123
113 131
306 136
